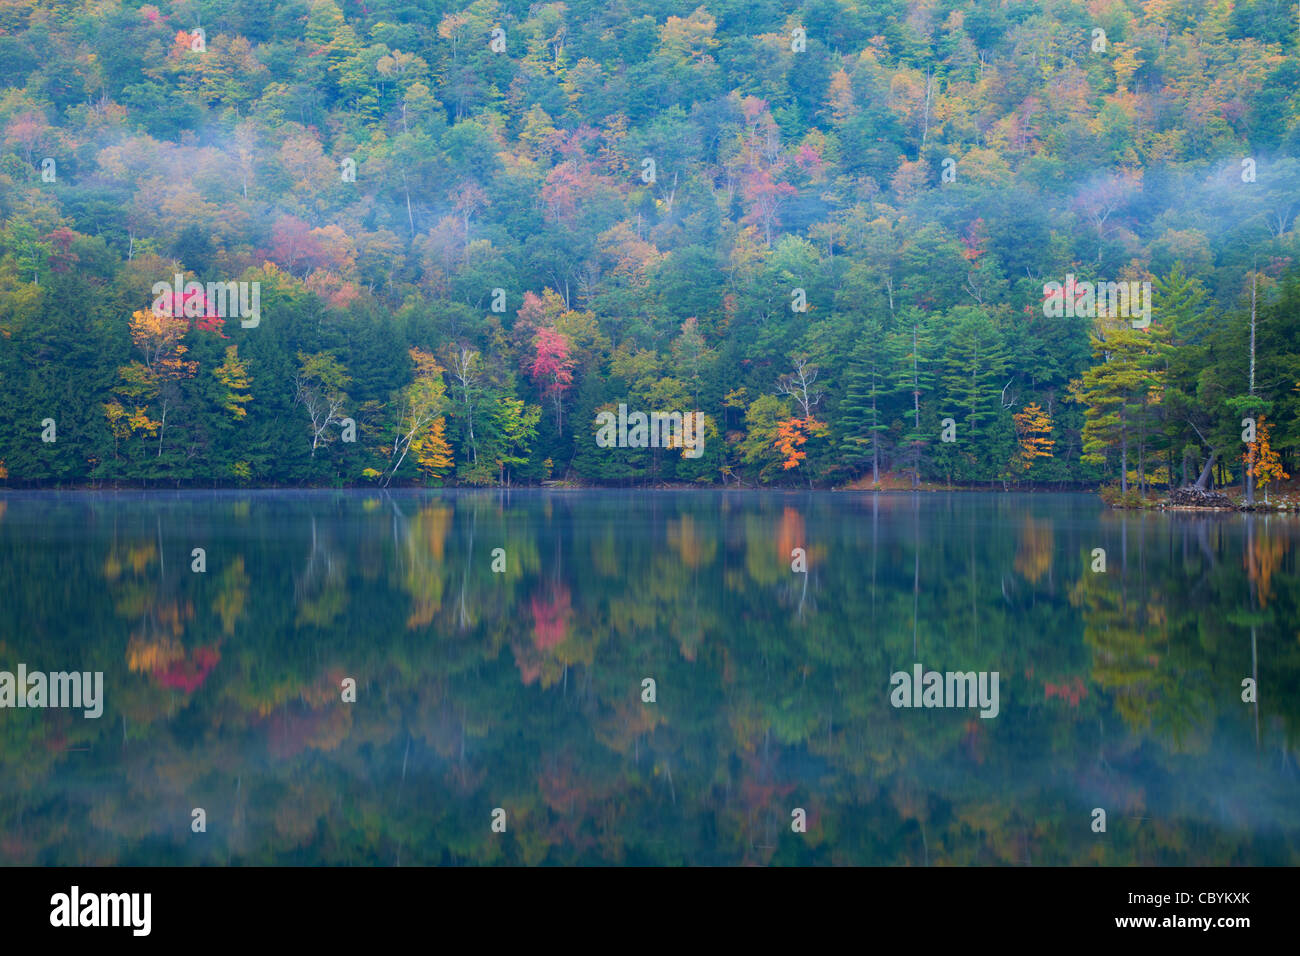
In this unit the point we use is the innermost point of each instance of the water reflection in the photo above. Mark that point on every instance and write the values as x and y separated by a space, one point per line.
521 687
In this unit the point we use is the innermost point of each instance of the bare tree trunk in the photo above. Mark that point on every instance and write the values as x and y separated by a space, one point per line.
1250 471
410 218
875 436
1123 465
916 409
1203 481
1142 451
929 87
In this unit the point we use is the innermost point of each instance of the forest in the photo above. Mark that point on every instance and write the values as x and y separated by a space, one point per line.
829 227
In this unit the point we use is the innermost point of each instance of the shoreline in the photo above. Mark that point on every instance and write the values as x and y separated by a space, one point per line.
1281 505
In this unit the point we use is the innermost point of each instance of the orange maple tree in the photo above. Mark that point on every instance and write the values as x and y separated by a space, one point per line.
1033 431
791 435
1262 461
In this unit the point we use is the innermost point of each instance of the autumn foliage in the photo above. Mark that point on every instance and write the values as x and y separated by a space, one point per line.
552 368
1262 460
1033 433
792 435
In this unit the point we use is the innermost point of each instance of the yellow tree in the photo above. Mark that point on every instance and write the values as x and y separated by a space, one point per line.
421 427
119 423
1034 434
233 374
138 387
431 450
158 336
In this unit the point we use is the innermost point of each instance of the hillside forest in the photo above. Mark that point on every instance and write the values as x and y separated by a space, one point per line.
829 227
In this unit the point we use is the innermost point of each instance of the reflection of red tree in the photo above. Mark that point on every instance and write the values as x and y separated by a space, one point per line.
756 794
551 618
293 730
15 849
529 667
1072 691
188 674
759 793
973 740
572 798
563 790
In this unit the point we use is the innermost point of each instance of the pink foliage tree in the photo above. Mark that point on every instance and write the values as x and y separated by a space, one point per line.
552 369
765 197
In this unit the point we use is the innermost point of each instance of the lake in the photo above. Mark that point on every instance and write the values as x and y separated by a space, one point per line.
646 677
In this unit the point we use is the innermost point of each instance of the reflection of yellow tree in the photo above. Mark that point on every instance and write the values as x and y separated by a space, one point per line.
131 598
607 558
156 644
426 540
320 604
628 720
232 592
696 550
319 694
159 645
1262 556
156 653
1034 555
662 593
1127 637
768 562
137 557
322 609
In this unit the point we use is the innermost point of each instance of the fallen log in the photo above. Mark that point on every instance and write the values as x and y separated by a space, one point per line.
1190 496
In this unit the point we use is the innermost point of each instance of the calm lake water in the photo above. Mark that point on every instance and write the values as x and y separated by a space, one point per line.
523 690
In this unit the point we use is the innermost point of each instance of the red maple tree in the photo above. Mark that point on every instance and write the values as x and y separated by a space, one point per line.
552 368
